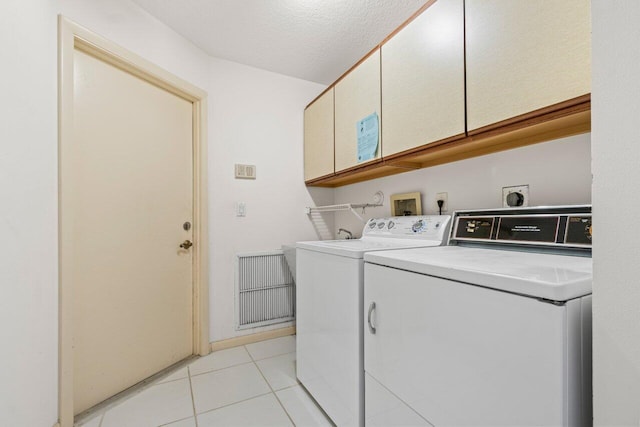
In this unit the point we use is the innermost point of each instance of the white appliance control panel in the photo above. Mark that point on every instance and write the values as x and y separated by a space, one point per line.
563 227
417 226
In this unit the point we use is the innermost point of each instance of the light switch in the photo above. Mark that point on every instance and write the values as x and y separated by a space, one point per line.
241 209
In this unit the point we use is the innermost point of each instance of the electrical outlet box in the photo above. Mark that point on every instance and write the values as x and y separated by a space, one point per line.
445 205
515 196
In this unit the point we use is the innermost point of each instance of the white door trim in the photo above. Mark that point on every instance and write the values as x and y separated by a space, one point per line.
72 36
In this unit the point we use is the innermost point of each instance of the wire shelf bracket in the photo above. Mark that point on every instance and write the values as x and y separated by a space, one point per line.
378 199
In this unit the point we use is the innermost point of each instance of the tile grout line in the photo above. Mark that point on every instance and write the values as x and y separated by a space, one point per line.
189 376
289 386
170 381
268 357
217 370
272 391
144 385
271 357
235 403
252 361
298 384
193 399
176 421
86 421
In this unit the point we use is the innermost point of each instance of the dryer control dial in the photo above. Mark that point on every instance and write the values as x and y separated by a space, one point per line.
417 226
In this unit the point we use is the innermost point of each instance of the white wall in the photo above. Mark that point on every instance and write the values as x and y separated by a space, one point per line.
256 119
616 198
558 172
254 116
28 214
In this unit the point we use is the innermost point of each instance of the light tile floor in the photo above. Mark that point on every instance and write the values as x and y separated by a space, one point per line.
252 385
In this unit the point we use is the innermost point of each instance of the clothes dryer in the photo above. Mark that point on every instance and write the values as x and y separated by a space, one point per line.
492 330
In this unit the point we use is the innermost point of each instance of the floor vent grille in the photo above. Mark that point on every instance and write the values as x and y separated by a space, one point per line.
265 290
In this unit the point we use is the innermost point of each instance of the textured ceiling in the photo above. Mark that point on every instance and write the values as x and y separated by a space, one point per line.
315 40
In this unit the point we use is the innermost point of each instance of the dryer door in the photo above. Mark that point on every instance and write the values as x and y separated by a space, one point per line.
462 355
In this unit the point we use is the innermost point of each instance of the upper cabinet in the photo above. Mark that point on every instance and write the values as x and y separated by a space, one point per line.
523 56
318 137
357 96
461 78
423 79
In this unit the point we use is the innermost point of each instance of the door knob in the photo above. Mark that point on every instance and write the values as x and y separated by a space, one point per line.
186 244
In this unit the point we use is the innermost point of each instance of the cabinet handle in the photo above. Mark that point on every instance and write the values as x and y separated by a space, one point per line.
372 328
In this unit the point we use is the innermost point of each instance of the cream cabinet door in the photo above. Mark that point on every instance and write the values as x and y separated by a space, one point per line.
318 137
357 96
525 55
423 79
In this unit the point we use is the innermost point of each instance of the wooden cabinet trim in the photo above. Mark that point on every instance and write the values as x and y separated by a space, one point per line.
361 167
320 179
581 103
408 154
565 119
426 6
352 177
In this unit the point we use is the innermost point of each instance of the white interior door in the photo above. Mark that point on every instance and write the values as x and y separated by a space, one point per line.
126 188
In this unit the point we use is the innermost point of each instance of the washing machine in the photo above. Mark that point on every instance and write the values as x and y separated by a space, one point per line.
329 323
493 329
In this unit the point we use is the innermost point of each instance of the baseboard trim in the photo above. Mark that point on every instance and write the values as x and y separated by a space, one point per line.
250 339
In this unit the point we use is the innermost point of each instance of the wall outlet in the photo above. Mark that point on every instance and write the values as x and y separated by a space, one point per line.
515 196
445 205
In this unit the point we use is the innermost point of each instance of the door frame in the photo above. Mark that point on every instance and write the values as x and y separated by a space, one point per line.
72 36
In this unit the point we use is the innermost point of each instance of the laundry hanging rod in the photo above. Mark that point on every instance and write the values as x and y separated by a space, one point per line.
378 199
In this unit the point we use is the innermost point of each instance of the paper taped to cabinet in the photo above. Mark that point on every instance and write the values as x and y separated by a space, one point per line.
368 132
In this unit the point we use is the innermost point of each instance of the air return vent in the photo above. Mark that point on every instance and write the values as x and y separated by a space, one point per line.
265 290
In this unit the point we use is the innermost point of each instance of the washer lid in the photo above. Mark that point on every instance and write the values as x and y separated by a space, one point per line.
540 275
356 248
380 234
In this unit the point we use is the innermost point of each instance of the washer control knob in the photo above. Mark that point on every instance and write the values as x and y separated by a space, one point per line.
381 225
417 226
372 224
391 224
